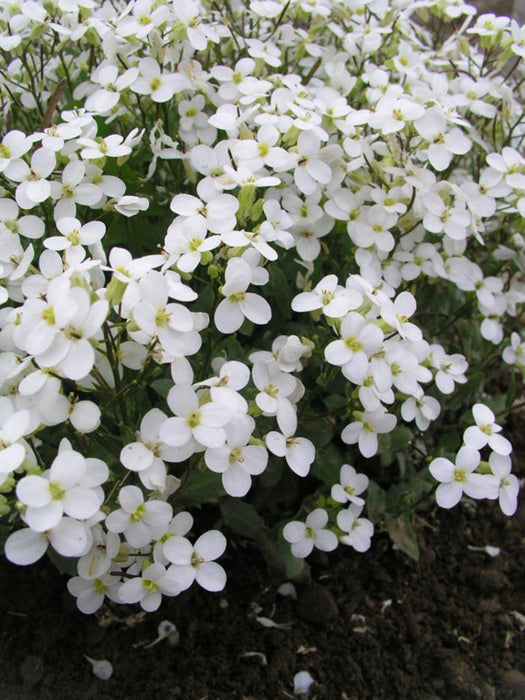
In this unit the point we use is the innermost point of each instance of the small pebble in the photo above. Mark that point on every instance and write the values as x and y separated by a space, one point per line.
316 604
513 682
32 670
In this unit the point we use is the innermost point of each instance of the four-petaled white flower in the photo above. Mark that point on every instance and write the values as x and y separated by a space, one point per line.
238 303
303 537
140 521
350 485
509 484
365 431
461 477
486 432
237 461
59 491
148 588
197 562
358 530
203 423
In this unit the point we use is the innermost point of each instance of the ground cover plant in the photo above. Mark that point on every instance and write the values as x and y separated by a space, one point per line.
260 263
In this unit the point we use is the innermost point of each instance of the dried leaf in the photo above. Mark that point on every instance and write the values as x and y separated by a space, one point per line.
267 622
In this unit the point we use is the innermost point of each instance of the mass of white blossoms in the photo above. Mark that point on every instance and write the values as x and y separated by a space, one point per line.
243 245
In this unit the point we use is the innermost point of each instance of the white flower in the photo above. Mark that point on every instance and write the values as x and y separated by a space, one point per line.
34 187
366 430
196 562
275 388
460 478
514 354
310 169
91 593
169 322
75 234
299 452
398 312
359 340
443 143
237 461
203 423
218 212
14 145
139 521
509 484
159 86
485 432
129 205
109 146
391 113
107 96
11 224
451 368
60 491
451 219
303 537
373 228
71 351
69 537
185 242
148 588
350 485
238 303
190 14
359 530
14 425
147 455
328 295
423 410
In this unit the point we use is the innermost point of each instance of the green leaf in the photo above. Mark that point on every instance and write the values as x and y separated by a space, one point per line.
511 391
335 402
200 487
497 404
375 501
327 465
66 565
319 431
242 518
281 289
162 386
292 565
409 491
205 301
402 534
271 552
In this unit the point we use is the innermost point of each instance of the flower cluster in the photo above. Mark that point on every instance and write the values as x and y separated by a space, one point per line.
239 249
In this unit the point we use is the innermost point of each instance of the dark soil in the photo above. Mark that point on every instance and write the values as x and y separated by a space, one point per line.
376 625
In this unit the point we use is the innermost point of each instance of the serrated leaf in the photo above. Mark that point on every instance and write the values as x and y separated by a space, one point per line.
402 534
